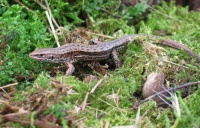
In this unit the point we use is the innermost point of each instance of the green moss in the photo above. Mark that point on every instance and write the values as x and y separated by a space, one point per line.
138 63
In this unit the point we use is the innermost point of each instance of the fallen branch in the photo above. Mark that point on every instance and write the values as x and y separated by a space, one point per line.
50 13
84 102
119 109
9 85
88 93
29 10
37 123
52 28
163 91
97 85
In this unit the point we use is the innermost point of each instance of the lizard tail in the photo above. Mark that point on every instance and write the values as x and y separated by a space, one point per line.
176 45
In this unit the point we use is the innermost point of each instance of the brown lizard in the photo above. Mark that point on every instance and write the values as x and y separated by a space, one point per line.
70 54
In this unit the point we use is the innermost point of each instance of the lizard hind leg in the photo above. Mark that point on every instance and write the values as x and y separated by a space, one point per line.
116 60
70 69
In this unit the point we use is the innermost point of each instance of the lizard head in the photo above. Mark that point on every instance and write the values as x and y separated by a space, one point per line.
50 55
43 55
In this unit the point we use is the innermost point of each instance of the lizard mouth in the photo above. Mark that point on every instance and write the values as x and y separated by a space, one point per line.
31 56
36 56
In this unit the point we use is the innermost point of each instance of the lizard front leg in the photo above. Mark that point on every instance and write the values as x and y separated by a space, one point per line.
115 59
70 69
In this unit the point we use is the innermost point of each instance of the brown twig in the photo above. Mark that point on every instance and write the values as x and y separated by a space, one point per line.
50 13
84 102
175 64
43 6
29 10
166 90
52 27
47 8
38 123
97 85
9 85
119 109
50 19
88 93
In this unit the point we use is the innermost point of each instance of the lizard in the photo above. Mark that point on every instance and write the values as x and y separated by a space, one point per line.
72 53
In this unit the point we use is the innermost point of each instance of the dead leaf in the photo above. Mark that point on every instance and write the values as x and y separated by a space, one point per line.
153 84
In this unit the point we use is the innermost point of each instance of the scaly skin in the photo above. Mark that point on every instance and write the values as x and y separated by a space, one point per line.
73 53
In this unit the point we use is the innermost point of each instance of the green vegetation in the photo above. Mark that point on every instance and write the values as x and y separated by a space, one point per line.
26 30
